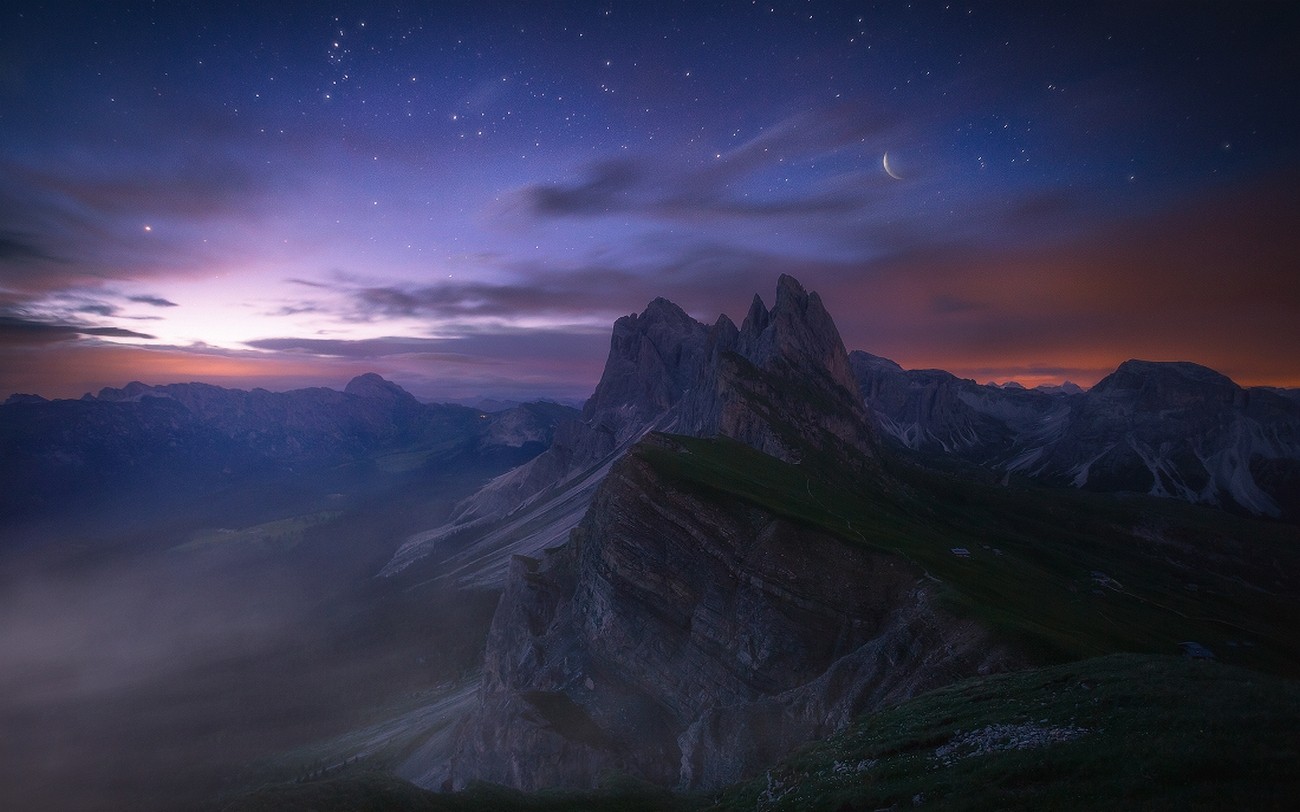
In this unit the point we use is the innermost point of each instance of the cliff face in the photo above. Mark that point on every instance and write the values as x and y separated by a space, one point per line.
690 639
781 383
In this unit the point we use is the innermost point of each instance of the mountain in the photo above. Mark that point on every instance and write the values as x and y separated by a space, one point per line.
683 636
689 640
934 411
181 442
1172 429
754 570
665 372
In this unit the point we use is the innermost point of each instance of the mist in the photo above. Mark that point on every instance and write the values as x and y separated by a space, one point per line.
157 669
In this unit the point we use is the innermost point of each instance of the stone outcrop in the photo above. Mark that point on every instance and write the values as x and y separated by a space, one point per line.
690 639
782 383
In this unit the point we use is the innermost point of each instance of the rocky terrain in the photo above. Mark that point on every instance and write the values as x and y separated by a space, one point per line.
688 639
1172 429
666 372
727 555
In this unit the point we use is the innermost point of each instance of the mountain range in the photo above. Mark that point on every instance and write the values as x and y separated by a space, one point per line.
748 540
1174 429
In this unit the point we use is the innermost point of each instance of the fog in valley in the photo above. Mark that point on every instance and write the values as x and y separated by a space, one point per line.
171 664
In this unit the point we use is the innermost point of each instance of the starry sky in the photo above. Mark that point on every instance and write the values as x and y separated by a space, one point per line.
464 196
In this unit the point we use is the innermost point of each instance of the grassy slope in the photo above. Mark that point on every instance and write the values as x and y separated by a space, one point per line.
1068 574
1124 732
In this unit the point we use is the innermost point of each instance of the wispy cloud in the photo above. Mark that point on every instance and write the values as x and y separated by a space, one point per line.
735 183
155 301
20 331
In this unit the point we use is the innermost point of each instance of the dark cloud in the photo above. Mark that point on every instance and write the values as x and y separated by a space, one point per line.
370 348
577 294
17 248
666 186
155 301
98 309
607 188
502 348
24 331
115 332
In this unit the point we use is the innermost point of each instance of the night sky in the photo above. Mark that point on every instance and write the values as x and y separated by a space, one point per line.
463 197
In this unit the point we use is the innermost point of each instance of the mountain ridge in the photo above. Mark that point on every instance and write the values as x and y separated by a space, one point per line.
1166 428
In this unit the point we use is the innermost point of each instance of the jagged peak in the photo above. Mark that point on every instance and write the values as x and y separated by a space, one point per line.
23 397
798 329
789 290
758 318
723 333
653 358
132 391
663 310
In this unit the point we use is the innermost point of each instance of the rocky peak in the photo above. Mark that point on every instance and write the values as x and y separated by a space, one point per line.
797 329
22 397
653 359
782 383
758 318
1167 384
132 391
371 385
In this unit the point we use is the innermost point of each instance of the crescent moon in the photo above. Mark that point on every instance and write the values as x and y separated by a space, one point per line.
885 162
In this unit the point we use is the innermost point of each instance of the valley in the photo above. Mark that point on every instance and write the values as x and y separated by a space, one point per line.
733 566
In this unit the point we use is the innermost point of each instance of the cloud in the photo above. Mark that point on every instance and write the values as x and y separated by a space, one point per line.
23 331
99 309
606 189
115 332
17 248
155 301
678 187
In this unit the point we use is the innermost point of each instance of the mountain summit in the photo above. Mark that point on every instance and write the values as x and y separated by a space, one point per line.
781 383
685 635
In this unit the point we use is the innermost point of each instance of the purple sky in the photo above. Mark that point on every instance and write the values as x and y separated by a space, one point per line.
463 197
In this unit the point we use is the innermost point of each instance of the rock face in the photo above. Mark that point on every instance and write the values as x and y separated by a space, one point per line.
1172 429
779 383
1179 430
935 411
690 640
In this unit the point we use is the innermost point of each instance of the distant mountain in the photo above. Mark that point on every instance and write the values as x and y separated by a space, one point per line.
1173 429
181 441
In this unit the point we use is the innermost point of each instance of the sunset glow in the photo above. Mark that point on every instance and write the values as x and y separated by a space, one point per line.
466 198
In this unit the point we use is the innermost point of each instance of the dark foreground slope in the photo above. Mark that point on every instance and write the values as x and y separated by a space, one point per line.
1123 732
